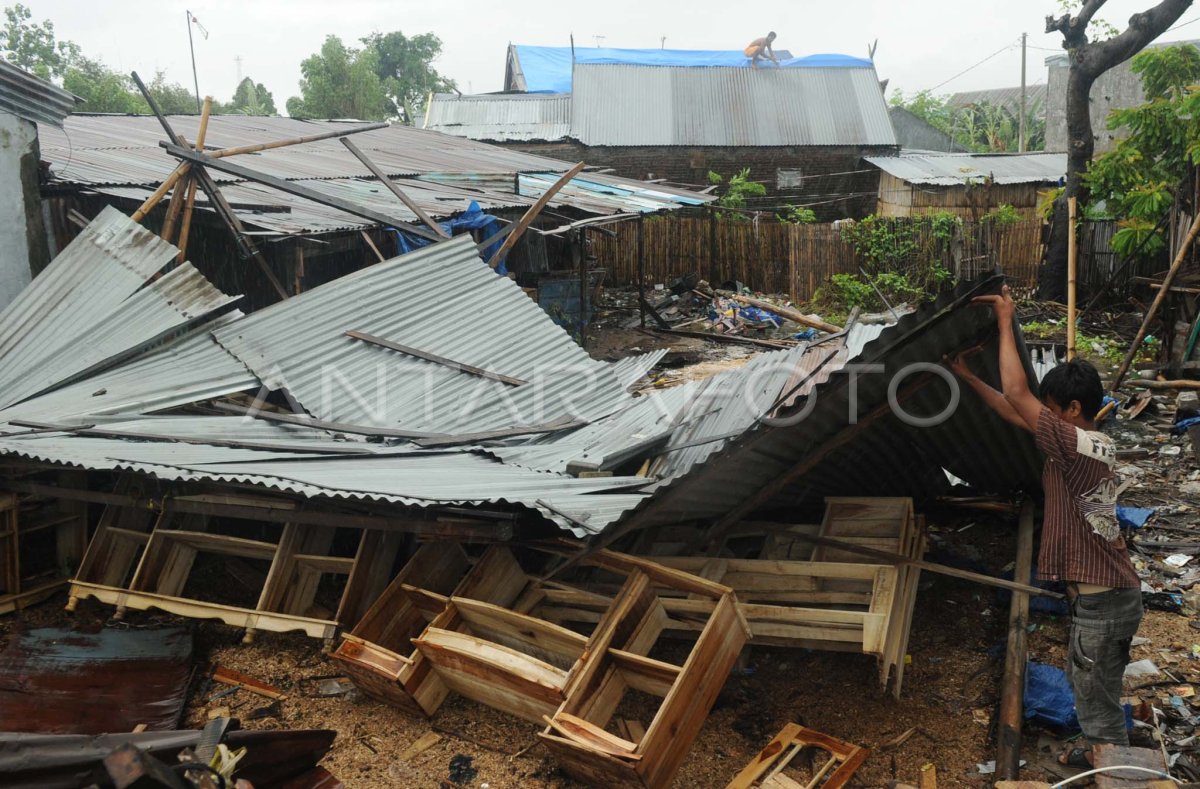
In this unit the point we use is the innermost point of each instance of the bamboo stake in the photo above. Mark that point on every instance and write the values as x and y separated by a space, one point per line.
160 192
381 176
1072 257
266 146
532 213
190 203
1176 265
1008 739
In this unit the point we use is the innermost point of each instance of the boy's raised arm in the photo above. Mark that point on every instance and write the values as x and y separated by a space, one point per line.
1012 372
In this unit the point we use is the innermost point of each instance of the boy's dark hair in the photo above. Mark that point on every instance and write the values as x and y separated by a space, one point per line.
1074 380
771 34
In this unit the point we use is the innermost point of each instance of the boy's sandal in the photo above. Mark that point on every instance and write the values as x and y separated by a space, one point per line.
1077 757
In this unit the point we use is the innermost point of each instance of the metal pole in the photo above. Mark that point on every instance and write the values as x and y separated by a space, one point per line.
642 268
192 47
1022 142
1008 738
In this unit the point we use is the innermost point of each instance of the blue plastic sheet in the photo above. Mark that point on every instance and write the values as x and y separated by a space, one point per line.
1182 427
1133 517
548 69
1049 699
472 219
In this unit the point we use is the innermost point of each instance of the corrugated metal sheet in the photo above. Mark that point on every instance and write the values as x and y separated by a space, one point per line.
502 117
632 369
837 450
120 156
189 369
86 308
648 105
442 300
414 478
36 100
955 169
1035 99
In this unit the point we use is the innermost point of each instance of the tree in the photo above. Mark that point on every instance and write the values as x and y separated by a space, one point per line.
252 98
982 127
1088 60
1139 178
32 46
405 69
340 82
172 98
101 88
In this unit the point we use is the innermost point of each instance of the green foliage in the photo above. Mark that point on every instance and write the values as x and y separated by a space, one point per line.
1046 201
738 191
405 69
849 290
252 98
1002 215
1137 178
715 178
340 82
982 127
797 215
32 45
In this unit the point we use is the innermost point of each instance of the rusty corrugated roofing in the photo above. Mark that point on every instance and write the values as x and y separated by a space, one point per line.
36 100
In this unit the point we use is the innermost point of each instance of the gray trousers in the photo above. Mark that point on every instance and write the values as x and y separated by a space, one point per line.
1102 627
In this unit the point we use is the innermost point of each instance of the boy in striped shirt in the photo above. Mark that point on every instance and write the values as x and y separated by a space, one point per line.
1081 540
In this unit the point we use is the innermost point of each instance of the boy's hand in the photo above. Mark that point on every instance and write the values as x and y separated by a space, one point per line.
958 362
1001 304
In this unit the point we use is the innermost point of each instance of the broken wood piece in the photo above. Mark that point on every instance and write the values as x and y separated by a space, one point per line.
1183 383
899 739
928 776
793 739
227 676
266 146
378 255
423 743
795 316
527 219
433 357
1145 761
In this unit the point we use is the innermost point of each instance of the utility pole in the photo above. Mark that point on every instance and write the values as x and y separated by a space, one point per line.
1021 141
662 43
192 47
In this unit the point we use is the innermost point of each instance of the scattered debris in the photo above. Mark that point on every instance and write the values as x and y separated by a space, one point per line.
767 769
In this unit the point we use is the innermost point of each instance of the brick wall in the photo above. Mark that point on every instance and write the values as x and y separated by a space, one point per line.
835 180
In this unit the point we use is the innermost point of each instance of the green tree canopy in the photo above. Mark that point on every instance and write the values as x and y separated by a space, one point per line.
252 98
1138 178
340 82
983 127
102 89
32 45
405 68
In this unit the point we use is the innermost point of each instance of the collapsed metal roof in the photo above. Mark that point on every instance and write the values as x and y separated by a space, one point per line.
120 156
487 420
956 169
36 100
624 105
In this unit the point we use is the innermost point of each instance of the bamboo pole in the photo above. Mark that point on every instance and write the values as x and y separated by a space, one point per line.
793 315
1072 262
1176 265
155 198
189 205
266 146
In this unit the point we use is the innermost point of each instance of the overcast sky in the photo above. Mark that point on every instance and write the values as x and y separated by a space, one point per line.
922 43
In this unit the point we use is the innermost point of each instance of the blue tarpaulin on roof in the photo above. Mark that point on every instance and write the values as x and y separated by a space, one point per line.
548 69
472 219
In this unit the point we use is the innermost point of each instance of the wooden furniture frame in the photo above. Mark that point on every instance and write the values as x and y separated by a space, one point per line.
766 769
23 521
138 559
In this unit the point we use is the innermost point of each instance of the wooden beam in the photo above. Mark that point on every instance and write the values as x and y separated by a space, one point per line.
433 357
391 186
792 315
299 190
1008 736
1072 257
535 209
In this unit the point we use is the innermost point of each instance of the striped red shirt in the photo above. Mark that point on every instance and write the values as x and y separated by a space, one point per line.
1081 540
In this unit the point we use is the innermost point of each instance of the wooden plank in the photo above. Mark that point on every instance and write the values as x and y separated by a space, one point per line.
435 358
391 186
544 635
222 544
645 674
535 209
196 609
422 744
591 736
496 578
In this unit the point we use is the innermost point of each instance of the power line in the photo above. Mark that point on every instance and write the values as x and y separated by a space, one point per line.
1004 48
1183 24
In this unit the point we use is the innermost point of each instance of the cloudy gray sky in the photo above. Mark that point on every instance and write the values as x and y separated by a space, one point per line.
922 43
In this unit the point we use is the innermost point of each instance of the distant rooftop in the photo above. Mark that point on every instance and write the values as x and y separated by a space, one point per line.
1035 98
32 98
952 169
548 69
502 117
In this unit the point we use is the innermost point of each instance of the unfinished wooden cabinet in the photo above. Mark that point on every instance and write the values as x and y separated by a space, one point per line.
835 763
41 544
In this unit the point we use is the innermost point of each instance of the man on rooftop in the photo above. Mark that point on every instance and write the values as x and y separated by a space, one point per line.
760 48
